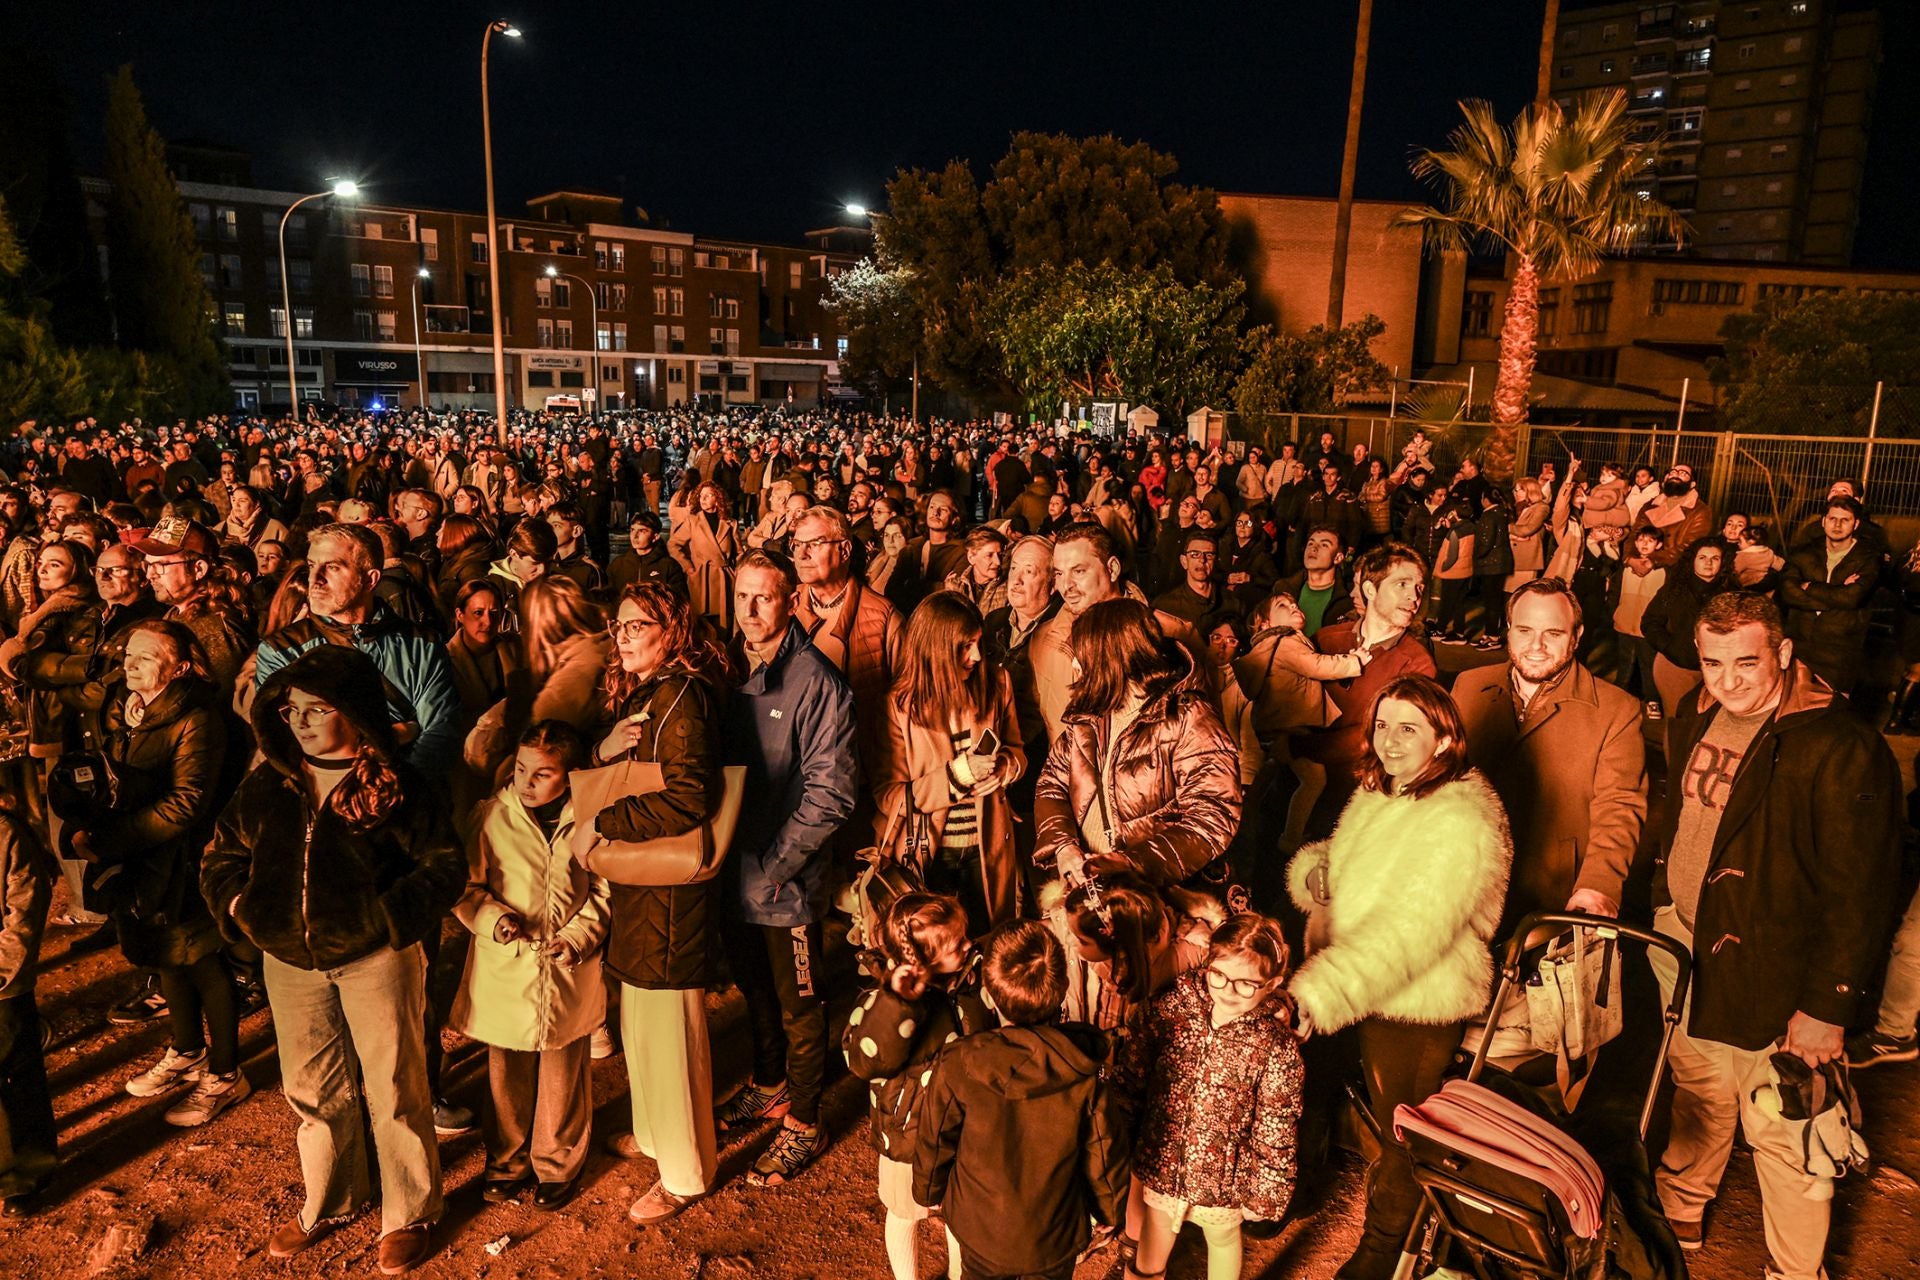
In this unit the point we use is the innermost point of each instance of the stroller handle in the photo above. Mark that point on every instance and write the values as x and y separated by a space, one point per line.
1605 926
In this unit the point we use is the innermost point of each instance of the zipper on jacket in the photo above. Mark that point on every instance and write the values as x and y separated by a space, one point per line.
306 868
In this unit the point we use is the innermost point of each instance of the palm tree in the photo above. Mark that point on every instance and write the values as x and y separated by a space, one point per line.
1349 165
1556 191
1549 30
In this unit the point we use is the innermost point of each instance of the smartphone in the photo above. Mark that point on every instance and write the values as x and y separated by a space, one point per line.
989 745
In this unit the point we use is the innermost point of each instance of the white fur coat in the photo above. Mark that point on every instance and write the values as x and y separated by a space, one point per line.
1415 890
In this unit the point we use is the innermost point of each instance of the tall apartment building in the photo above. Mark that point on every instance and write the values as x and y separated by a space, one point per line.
595 309
1765 106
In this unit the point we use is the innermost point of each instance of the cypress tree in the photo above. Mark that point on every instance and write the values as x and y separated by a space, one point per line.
159 299
44 196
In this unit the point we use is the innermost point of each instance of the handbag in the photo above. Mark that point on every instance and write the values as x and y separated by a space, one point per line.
1573 1005
881 879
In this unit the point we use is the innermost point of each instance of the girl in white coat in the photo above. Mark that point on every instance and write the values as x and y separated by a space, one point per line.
1401 904
532 987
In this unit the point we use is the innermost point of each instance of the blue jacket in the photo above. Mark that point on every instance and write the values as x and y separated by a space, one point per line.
792 726
418 672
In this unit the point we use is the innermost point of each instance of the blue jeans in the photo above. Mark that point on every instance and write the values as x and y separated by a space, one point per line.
363 1021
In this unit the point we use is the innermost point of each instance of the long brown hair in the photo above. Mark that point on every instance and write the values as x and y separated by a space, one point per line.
1117 643
690 642
369 792
1449 763
930 686
1122 915
552 611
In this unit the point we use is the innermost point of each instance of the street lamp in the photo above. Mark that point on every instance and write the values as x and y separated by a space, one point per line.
593 303
346 190
493 238
419 355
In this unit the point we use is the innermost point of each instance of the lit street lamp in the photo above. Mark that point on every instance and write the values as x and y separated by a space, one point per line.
593 303
419 355
345 190
493 233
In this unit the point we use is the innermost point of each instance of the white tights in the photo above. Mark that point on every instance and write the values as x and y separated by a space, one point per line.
902 1255
1224 1249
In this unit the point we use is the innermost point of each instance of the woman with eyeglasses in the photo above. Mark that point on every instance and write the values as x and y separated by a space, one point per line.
336 859
665 686
1402 903
166 740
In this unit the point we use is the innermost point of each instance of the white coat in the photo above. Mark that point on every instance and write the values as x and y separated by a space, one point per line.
1415 889
514 995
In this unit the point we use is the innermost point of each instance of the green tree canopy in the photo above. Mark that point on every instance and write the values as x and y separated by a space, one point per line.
880 319
1809 365
1313 372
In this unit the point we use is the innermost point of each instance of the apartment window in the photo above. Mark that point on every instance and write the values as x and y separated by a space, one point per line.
362 279
299 275
676 263
563 333
677 337
603 336
296 230
230 277
1610 32
383 282
600 255
840 348
795 272
1734 153
619 335
721 307
660 299
1769 220
429 244
1793 43
1798 8
209 269
658 256
1724 225
388 324
228 220
1729 188
540 377
302 322
478 246
613 297
1700 59
700 259
676 302
1746 52
1773 188
1548 324
659 337
733 342
202 220
1784 116
363 326
1686 122
1777 150
542 292
234 317
1478 317
277 321
617 257
1742 85
562 293
1713 293
543 330
1592 306
676 374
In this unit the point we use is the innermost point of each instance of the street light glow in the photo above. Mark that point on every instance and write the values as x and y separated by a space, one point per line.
857 210
424 274
346 187
553 272
508 29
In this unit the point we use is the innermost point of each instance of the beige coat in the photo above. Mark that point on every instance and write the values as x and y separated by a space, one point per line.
707 555
1285 678
514 995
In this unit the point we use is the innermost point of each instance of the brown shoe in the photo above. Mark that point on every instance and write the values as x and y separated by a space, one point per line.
659 1204
405 1249
621 1146
292 1238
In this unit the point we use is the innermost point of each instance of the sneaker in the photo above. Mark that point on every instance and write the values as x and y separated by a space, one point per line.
450 1119
1691 1235
1874 1048
145 1006
752 1105
601 1044
209 1098
792 1150
171 1072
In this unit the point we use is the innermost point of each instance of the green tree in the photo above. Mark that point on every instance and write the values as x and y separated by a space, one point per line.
881 322
1809 365
1556 191
1313 372
43 194
1104 331
160 300
1052 201
38 377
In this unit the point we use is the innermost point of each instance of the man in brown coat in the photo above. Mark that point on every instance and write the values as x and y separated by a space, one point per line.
1562 747
854 627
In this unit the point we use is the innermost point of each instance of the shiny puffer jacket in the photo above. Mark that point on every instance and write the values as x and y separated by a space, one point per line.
1172 803
1220 1105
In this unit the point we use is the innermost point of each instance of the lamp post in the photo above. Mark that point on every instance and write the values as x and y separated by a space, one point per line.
493 236
593 305
345 190
419 353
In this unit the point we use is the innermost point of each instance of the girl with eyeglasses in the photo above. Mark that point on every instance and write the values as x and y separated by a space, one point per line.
1218 1072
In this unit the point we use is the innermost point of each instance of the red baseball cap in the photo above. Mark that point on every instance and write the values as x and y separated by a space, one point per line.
175 535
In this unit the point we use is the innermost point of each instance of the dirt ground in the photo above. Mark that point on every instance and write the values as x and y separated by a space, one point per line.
201 1202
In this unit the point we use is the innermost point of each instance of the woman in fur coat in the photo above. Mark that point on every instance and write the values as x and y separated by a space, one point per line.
1402 902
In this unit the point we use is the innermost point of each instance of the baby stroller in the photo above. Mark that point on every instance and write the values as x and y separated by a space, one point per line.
1507 1185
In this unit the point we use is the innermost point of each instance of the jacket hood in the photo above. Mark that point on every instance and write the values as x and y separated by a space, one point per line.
1165 695
1036 1062
346 679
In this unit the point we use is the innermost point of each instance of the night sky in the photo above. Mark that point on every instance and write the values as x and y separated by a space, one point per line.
761 121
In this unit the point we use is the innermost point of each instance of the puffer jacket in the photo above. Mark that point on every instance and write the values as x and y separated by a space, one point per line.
513 995
791 723
662 937
891 1042
45 628
300 882
1221 1105
1172 802
1415 887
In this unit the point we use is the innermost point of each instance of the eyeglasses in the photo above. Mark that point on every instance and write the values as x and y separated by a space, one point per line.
1241 986
161 565
112 571
805 546
300 717
629 628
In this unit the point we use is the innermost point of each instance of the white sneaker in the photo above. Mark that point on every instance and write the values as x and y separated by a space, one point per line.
209 1098
601 1045
172 1071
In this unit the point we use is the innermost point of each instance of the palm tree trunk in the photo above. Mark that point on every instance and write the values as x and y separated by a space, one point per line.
1519 325
1349 163
1549 31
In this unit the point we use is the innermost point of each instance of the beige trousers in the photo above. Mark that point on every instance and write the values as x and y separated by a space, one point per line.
670 1074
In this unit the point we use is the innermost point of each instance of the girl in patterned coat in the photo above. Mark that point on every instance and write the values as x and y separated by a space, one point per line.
930 995
1219 1074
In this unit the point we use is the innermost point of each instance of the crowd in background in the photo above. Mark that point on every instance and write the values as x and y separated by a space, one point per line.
1095 738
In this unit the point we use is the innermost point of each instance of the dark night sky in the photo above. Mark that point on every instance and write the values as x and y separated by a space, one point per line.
752 120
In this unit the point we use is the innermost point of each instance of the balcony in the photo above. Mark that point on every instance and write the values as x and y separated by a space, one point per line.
444 318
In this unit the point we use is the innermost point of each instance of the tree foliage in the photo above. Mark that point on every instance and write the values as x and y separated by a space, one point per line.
1108 331
1312 372
1052 202
881 322
160 300
1809 365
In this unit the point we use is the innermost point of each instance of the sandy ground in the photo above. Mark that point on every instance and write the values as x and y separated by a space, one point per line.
202 1202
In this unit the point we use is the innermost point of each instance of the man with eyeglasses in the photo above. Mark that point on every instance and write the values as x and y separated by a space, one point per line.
1199 600
183 568
855 627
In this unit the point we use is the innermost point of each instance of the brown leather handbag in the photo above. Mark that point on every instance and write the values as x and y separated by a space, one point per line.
689 858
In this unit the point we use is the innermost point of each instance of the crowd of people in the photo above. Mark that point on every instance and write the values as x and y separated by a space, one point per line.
1166 785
